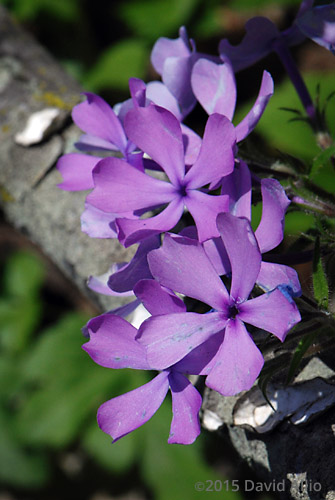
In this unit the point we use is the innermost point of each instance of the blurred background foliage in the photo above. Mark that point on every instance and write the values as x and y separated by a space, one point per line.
50 445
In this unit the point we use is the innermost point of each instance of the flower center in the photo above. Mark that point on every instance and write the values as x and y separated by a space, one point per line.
233 311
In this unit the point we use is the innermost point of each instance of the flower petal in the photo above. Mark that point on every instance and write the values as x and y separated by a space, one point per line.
99 284
157 132
200 360
237 186
274 312
238 362
166 47
273 275
214 87
157 300
204 209
119 187
137 269
250 121
95 117
216 157
76 170
170 337
182 265
186 404
98 224
243 252
134 231
123 414
270 231
112 343
256 44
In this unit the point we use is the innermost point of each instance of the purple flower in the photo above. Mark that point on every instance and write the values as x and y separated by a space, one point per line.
261 37
112 344
318 24
183 266
215 88
174 60
158 133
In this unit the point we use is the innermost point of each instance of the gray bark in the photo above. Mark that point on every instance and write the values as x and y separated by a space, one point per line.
30 81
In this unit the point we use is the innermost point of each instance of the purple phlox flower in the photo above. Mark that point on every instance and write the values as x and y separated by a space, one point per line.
158 133
174 60
113 344
183 266
214 86
269 233
157 93
260 38
318 24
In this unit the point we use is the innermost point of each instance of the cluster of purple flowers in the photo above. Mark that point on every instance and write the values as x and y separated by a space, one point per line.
164 167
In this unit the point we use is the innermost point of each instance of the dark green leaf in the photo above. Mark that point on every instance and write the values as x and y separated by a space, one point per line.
320 285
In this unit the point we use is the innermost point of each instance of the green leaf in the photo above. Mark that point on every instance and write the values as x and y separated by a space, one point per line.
118 63
299 353
23 275
117 457
64 386
321 160
151 19
161 462
19 467
296 139
320 284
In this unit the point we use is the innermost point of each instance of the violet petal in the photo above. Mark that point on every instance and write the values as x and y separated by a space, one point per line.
123 414
186 404
238 361
272 312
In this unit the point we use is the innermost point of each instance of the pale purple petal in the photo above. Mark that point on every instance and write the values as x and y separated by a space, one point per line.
192 144
216 158
214 87
256 44
216 252
95 117
186 404
243 252
238 362
273 312
250 121
98 224
204 209
137 269
177 77
123 414
112 343
127 309
119 187
137 90
76 170
157 132
273 275
166 47
156 299
200 360
319 25
92 143
170 337
237 186
182 265
99 284
134 231
159 94
270 231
